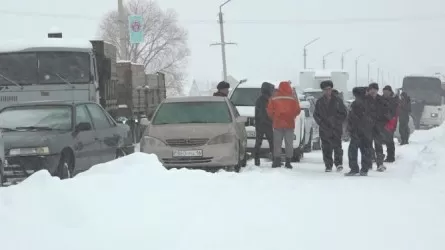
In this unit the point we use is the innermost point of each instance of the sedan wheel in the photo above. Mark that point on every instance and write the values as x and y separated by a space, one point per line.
65 167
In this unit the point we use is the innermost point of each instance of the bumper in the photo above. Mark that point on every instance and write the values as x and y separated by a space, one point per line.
18 168
213 156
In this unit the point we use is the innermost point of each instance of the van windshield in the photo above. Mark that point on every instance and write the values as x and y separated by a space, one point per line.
245 96
427 89
192 112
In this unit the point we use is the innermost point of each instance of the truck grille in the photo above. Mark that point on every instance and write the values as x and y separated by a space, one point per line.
9 98
250 121
192 142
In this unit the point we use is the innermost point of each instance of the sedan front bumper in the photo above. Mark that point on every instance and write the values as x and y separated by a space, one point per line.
203 157
18 168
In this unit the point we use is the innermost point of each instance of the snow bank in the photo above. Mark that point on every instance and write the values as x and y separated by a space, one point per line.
19 45
134 203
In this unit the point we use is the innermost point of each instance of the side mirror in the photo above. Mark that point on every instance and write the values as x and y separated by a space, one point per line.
83 126
241 119
144 122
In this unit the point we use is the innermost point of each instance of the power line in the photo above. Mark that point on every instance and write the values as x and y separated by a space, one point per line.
353 20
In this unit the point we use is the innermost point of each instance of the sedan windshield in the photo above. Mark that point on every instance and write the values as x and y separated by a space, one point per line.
192 112
36 118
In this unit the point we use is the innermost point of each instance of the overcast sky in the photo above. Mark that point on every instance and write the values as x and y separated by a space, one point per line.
270 44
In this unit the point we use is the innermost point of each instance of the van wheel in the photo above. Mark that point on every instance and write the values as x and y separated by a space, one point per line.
244 160
2 176
298 154
317 145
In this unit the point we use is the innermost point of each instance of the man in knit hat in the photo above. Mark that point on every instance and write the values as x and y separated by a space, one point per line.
330 114
391 125
379 113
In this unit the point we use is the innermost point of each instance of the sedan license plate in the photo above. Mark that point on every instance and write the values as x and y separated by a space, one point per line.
187 153
251 134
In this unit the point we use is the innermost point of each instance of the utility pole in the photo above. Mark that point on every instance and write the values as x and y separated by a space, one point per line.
378 74
343 58
324 58
223 41
369 69
122 30
356 69
305 50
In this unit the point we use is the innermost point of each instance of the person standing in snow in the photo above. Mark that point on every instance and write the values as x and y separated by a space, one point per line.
417 110
391 125
359 126
405 110
223 89
330 114
379 114
283 108
263 123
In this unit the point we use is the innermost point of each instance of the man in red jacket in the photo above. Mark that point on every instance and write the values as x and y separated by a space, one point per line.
283 108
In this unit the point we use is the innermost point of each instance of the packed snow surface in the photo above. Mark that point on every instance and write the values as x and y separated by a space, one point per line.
134 203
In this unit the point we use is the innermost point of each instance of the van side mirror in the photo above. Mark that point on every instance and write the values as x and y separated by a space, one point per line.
241 119
83 126
144 122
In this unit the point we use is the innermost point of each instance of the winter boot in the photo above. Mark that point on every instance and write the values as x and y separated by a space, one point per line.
288 165
339 168
257 161
351 173
363 173
276 162
381 168
390 159
328 169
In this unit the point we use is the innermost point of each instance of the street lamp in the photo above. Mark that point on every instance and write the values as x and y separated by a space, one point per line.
369 68
324 58
343 58
356 69
305 50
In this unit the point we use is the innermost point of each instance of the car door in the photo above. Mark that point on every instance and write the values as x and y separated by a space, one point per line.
106 131
240 127
86 143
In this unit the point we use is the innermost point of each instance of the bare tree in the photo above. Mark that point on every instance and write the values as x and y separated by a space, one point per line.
165 41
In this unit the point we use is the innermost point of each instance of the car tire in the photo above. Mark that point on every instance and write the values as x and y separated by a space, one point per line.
120 153
316 145
297 155
2 176
66 166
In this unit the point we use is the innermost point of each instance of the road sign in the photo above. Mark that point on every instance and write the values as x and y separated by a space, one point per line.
136 30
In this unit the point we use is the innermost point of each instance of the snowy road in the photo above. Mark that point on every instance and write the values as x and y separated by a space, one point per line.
134 203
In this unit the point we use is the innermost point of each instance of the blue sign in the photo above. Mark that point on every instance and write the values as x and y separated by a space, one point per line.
136 30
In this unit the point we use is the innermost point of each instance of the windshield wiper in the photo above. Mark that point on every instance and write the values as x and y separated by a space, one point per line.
8 129
35 128
63 79
11 81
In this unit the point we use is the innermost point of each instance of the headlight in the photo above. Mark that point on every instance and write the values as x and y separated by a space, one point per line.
29 151
221 139
153 142
434 115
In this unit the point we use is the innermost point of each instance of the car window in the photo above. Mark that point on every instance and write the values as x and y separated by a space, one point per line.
48 116
245 96
82 115
100 119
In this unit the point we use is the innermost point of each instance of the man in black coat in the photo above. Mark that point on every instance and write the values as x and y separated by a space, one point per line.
223 89
379 113
263 123
359 126
330 113
405 111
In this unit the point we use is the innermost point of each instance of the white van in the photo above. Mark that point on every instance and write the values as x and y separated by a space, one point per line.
244 96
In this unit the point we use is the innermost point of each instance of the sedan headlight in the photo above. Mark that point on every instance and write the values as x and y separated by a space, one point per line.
153 142
29 151
221 139
434 115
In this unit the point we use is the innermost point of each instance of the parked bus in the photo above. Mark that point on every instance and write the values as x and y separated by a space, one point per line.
427 97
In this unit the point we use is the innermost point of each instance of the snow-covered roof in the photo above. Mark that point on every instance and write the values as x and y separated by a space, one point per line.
123 61
46 44
256 83
311 90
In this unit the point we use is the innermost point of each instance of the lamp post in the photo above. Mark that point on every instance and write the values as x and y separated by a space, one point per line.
369 69
324 58
343 58
305 50
356 69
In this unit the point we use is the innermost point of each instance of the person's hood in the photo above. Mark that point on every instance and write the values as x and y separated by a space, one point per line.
284 89
267 88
